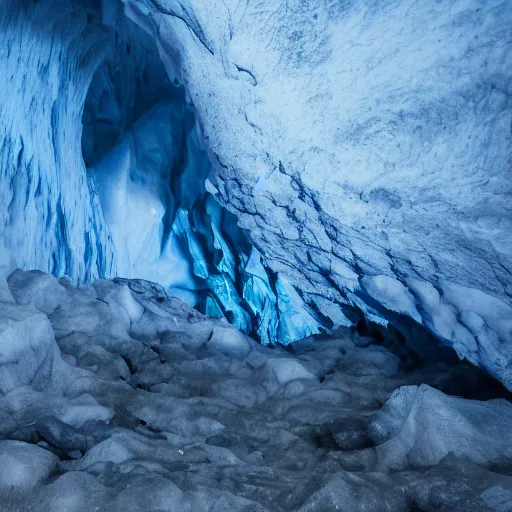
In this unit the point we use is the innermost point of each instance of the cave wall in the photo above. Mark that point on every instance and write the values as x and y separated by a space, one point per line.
366 148
50 218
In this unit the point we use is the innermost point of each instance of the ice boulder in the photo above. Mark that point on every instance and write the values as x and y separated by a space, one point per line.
27 347
5 293
24 465
60 434
154 493
121 301
287 370
229 341
419 426
74 492
37 288
498 498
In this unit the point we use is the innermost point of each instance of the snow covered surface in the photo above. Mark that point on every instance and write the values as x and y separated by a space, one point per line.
139 403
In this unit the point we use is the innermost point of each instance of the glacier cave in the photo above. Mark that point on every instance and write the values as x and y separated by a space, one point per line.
255 255
144 152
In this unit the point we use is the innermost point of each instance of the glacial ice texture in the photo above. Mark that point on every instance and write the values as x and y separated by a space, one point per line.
50 218
366 148
139 206
115 396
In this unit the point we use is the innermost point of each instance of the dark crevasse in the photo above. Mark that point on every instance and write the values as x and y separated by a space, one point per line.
143 150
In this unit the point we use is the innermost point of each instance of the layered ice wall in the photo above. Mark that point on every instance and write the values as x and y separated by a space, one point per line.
149 166
366 148
49 217
166 227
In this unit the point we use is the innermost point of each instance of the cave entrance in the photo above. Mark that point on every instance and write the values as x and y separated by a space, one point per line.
144 154
139 147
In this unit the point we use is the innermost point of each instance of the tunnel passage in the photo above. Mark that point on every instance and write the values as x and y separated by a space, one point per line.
142 148
116 144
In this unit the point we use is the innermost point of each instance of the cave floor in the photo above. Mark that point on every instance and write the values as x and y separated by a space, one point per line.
116 397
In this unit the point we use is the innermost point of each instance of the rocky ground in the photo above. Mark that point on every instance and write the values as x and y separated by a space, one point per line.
115 396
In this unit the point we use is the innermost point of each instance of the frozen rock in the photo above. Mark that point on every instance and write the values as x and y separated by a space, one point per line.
349 492
120 300
194 415
74 492
213 500
27 347
60 434
23 465
230 342
239 392
347 434
498 498
149 493
37 288
287 370
83 409
90 316
421 425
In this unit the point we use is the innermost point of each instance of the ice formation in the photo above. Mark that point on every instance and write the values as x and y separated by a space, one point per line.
365 147
248 251
134 201
117 396
368 167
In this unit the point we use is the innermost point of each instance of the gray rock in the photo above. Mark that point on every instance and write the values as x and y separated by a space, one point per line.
61 435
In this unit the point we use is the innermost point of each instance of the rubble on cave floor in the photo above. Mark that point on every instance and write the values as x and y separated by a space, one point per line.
115 396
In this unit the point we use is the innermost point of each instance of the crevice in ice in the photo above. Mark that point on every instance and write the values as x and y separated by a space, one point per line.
188 17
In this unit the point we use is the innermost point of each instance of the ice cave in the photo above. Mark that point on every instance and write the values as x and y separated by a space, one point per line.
255 255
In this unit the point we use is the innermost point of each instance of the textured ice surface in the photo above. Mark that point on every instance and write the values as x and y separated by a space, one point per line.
363 146
420 426
165 227
149 169
155 407
50 217
24 465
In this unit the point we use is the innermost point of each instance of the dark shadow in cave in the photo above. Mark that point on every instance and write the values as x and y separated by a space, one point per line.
427 361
